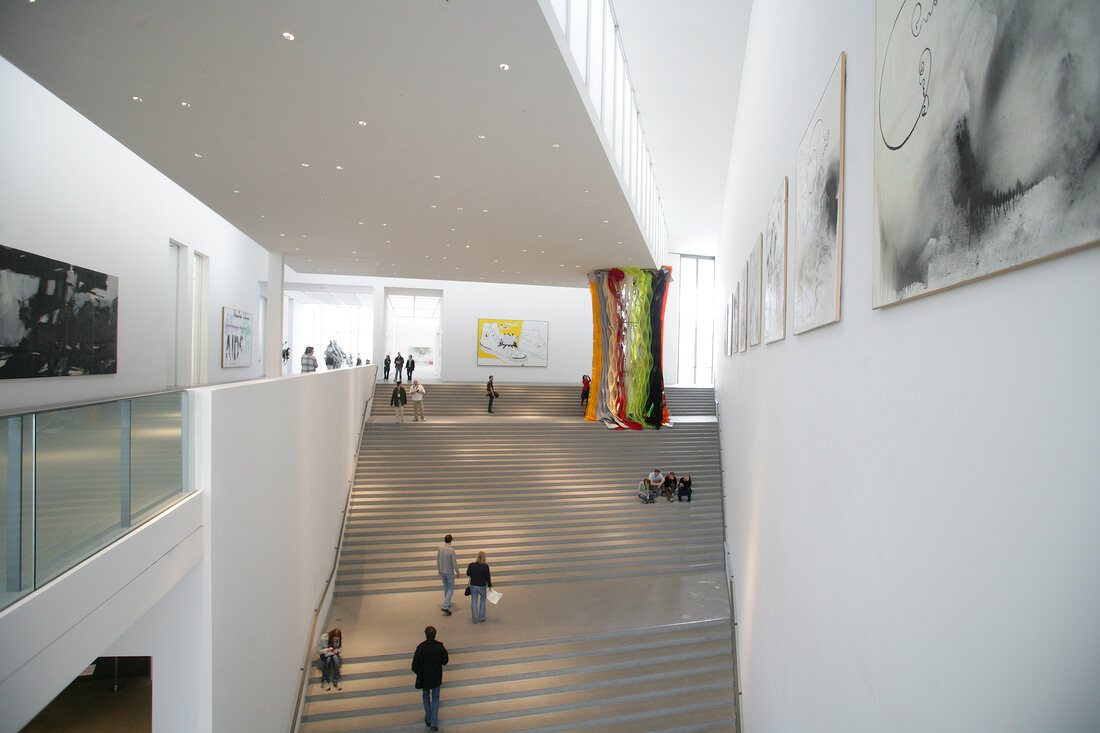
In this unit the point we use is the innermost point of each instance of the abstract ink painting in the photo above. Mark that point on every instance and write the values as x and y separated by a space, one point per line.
819 211
775 268
56 319
987 139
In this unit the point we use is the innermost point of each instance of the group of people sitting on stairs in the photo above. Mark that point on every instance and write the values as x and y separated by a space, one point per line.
665 485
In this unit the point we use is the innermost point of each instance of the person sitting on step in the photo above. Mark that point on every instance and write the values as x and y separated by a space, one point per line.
668 486
684 489
647 492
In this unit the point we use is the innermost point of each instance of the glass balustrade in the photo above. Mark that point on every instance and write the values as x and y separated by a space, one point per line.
75 479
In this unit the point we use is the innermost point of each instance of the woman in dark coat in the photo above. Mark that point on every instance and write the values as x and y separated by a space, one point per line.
480 580
386 368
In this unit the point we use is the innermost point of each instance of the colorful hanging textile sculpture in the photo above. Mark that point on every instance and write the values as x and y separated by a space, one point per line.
628 318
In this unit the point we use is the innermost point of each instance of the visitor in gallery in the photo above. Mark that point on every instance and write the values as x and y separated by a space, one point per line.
491 392
429 659
656 478
309 361
386 368
447 564
416 396
684 488
329 648
398 362
646 491
668 486
480 580
398 400
410 364
586 382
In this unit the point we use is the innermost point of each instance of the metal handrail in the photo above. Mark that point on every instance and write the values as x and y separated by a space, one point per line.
303 673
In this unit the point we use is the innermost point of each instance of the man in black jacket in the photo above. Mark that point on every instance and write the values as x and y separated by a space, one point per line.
428 662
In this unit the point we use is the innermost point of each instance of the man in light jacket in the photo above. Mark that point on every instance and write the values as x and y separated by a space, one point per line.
447 565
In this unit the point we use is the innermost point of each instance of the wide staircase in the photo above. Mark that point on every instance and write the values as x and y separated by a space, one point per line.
615 614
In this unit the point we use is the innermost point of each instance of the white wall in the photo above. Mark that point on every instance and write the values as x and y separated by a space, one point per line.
70 192
50 636
276 459
912 494
568 310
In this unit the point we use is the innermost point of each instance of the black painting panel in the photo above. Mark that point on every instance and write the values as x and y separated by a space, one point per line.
56 319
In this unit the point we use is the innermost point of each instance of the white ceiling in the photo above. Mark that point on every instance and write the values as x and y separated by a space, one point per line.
418 193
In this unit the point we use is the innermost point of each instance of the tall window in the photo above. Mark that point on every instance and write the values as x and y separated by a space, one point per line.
696 278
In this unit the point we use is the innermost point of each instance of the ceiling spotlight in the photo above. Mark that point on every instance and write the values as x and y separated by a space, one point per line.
288 36
297 249
586 190
504 67
605 221
340 168
185 104
282 235
303 236
236 190
136 98
362 123
198 155
436 177
360 222
556 145
355 252
480 137
467 246
484 211
432 205
305 165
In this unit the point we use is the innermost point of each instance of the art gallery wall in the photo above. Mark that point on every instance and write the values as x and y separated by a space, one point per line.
70 192
912 492
568 311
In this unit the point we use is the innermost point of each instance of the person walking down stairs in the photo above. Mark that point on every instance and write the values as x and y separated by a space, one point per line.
429 659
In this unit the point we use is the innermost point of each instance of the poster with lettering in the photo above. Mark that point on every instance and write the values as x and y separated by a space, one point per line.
236 338
986 139
819 211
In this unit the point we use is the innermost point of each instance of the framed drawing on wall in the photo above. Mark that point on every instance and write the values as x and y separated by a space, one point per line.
819 210
727 346
734 310
986 140
743 313
236 338
755 272
511 342
775 268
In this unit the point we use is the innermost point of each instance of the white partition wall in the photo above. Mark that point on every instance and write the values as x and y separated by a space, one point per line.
912 492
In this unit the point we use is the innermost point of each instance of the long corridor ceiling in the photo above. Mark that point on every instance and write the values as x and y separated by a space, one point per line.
384 138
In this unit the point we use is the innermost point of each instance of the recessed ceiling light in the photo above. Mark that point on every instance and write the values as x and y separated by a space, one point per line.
556 145
580 239
355 252
282 235
305 165
524 250
452 229
542 251
236 190
387 241
504 67
185 104
360 222
496 260
263 216
383 225
432 205
484 211
436 177
136 99
540 236
586 190
427 256
303 236
480 137
444 256
458 208
288 36
620 242
340 168
198 155
605 221
297 249
362 123
467 246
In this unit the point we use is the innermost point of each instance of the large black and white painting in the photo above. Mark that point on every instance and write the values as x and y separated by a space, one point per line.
819 210
56 319
755 271
987 144
775 268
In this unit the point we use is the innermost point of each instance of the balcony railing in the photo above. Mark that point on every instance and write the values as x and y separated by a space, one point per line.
75 479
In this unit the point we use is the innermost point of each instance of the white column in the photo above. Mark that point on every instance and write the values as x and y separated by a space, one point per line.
273 327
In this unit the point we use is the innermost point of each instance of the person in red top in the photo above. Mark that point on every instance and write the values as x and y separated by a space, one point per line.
586 382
